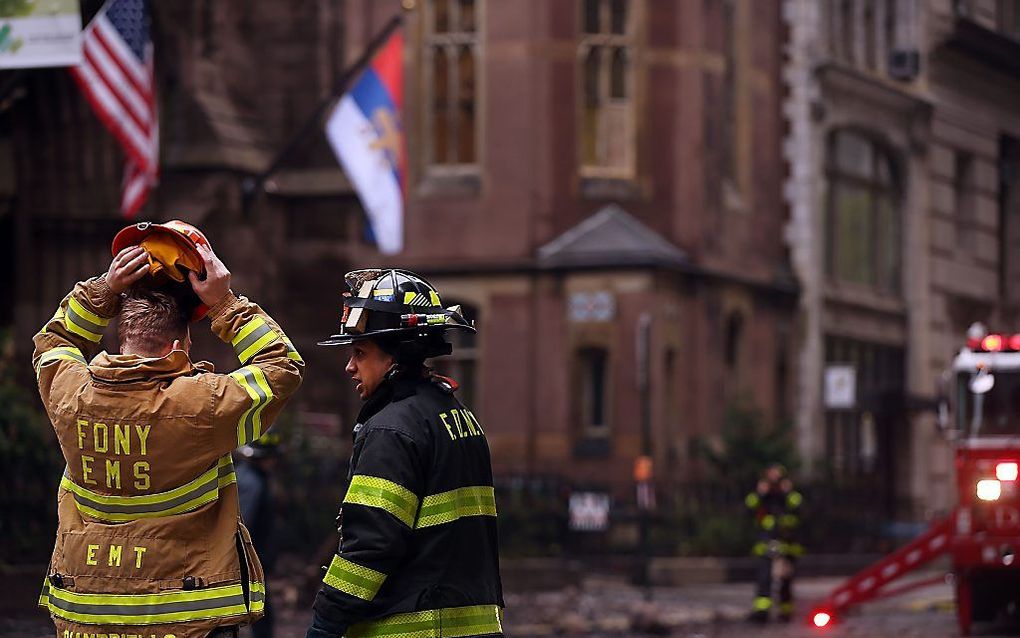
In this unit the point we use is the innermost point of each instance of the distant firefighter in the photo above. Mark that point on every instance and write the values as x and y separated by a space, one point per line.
255 465
776 507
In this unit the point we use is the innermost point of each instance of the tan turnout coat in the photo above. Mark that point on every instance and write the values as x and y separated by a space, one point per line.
149 541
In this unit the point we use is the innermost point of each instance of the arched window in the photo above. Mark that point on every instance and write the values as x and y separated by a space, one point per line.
863 225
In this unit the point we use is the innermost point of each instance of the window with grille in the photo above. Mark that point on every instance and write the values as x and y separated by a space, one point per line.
863 229
606 71
452 70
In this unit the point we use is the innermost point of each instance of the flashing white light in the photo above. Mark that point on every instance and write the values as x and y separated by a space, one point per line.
989 490
1006 471
821 619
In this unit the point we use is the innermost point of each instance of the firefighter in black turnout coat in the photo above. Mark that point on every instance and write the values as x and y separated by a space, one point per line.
418 549
776 506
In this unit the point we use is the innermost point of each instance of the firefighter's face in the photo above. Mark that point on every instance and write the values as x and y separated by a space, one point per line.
367 366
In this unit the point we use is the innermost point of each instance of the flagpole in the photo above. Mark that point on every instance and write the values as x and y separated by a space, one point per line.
251 186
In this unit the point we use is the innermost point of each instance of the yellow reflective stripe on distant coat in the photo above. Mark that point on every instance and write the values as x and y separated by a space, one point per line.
372 491
252 338
357 580
83 322
148 609
254 382
452 622
437 509
187 497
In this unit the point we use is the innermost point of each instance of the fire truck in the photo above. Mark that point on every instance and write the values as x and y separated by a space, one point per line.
979 412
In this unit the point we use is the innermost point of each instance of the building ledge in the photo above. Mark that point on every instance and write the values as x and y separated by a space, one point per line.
990 47
888 93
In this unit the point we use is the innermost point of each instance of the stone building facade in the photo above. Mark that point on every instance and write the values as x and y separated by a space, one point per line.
598 182
903 119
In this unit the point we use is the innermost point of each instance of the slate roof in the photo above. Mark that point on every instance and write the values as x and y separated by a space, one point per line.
610 237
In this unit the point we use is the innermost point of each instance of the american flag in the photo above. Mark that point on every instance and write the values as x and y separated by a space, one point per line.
117 78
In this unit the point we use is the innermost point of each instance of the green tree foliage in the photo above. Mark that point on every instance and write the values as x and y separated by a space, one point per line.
747 445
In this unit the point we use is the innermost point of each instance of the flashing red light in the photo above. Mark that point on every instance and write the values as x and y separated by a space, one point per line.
821 619
1006 471
992 343
1014 342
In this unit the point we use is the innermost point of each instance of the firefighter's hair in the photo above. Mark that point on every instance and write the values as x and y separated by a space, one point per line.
150 320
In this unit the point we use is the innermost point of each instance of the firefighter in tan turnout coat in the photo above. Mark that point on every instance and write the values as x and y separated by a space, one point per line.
149 541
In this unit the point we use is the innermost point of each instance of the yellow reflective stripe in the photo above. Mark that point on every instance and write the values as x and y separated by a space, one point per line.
768 521
357 580
437 509
762 603
44 594
87 314
258 596
57 354
453 622
794 499
434 298
82 321
416 299
372 491
252 338
145 609
292 352
752 500
254 382
190 496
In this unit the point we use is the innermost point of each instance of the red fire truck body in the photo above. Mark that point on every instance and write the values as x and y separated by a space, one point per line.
980 413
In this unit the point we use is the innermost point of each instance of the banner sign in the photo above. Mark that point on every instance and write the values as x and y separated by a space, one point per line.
40 33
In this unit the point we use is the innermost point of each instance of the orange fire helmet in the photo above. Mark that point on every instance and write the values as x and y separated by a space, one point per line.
172 250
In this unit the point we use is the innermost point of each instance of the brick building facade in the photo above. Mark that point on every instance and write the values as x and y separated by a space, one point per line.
582 172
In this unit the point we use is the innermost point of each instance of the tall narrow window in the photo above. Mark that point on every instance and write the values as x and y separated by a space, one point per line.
451 82
1009 217
734 336
592 369
963 170
605 58
863 234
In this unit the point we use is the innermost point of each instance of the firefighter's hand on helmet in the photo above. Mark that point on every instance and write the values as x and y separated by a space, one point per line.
130 265
217 278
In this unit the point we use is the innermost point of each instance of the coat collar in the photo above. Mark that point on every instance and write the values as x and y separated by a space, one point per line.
130 368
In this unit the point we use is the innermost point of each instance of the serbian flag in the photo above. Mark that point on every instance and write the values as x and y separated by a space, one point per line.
365 132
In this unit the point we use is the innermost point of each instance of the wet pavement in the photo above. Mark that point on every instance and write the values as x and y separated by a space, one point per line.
609 607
